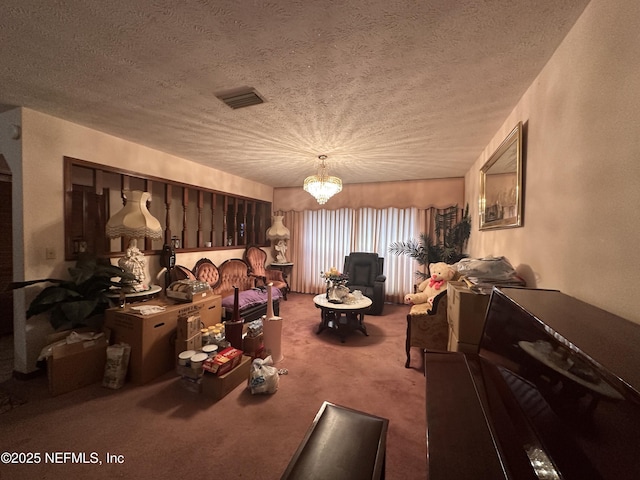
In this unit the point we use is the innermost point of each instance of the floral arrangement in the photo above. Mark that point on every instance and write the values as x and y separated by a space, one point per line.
334 277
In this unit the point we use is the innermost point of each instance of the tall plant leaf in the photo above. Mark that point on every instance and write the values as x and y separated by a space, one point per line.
71 303
447 244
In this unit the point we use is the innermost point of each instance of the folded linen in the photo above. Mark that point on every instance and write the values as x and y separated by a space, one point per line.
149 309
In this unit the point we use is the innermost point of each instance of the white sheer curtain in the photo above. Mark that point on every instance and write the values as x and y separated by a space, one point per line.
320 239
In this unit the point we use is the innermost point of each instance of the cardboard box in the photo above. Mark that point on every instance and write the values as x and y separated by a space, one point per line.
188 326
226 360
184 371
191 384
251 345
218 387
466 310
209 309
151 340
75 365
193 291
193 343
457 346
153 337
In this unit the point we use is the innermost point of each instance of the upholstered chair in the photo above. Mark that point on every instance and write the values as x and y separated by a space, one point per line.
180 272
256 259
206 271
428 328
365 274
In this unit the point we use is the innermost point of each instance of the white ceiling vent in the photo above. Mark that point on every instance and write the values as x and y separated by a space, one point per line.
241 97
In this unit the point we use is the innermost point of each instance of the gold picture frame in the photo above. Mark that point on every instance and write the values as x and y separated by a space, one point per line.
500 203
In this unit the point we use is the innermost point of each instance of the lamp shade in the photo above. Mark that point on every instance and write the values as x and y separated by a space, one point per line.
134 220
278 231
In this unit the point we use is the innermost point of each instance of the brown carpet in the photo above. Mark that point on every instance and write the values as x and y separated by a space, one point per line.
9 401
163 431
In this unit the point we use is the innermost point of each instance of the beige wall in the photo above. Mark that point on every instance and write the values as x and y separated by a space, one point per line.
420 193
45 141
582 182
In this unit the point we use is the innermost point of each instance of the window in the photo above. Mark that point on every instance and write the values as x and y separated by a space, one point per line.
324 237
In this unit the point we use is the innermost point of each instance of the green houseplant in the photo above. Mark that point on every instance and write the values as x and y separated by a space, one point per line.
445 245
81 300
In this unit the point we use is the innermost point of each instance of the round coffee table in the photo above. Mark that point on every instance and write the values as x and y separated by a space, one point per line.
343 317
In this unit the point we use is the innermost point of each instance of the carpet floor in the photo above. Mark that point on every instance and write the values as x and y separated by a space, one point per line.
162 431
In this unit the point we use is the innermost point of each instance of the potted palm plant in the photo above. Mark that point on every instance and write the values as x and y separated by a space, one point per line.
80 300
446 245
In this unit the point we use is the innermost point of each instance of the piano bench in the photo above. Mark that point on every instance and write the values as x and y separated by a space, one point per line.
341 444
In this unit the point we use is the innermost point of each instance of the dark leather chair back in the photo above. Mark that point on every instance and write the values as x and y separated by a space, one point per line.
365 271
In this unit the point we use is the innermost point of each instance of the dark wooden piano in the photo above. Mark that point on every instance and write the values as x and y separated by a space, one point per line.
553 393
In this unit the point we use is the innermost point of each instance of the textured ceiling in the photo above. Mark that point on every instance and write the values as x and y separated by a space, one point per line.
387 89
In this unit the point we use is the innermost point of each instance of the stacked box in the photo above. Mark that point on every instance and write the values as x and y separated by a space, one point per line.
188 336
209 309
253 345
76 365
466 311
191 384
152 337
217 386
193 343
226 360
190 378
188 326
212 385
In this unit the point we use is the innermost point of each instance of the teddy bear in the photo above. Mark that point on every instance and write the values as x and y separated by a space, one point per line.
441 273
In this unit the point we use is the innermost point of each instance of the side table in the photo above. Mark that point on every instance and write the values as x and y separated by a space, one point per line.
342 316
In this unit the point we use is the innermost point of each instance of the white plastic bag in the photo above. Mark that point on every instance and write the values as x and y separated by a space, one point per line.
264 376
489 269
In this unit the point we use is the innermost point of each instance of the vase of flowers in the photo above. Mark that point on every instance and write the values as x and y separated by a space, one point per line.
336 283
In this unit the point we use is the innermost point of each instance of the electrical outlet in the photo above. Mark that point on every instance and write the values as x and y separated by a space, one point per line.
50 253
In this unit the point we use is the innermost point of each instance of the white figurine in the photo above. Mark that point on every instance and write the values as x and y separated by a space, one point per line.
281 248
133 261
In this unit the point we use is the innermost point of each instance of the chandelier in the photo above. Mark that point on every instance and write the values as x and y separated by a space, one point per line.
322 186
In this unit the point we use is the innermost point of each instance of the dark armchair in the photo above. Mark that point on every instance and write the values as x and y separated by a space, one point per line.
365 274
